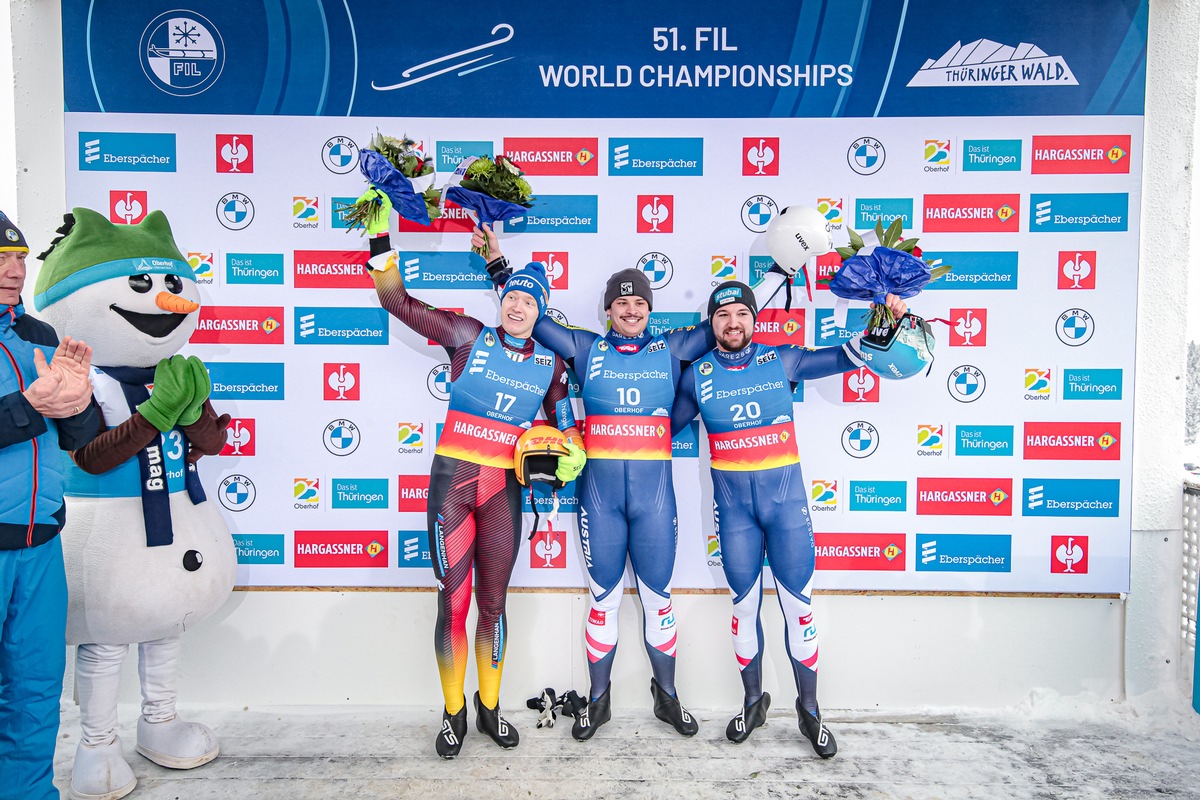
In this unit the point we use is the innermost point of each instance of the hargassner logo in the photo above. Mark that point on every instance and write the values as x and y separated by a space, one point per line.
991 155
340 325
673 156
860 551
341 549
777 326
963 552
976 270
558 213
869 210
1071 497
553 156
126 152
438 270
1073 441
1079 155
972 213
331 269
981 497
987 63
256 380
1079 212
239 325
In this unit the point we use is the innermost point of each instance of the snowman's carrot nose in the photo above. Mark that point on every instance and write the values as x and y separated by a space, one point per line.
174 303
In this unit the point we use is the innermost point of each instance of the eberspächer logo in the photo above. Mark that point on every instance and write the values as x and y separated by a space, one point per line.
181 53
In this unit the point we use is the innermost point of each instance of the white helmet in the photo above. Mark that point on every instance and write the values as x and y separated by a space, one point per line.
795 235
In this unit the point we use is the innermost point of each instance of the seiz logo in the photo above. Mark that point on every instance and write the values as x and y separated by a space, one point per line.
1081 155
341 381
127 207
1072 497
963 552
968 327
861 551
1073 441
777 326
760 156
937 155
1038 383
574 157
655 213
548 550
931 440
414 549
972 213
239 438
832 209
724 268
341 549
411 436
126 152
202 267
1077 269
235 152
860 386
977 497
246 380
413 493
823 495
239 325
331 269
306 493
1069 555
557 267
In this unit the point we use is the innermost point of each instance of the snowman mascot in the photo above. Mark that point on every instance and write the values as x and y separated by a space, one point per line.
147 557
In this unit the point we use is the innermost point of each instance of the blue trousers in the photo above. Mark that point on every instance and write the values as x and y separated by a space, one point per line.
33 598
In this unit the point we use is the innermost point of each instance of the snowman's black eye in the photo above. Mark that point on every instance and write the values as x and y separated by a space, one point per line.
140 283
192 560
174 284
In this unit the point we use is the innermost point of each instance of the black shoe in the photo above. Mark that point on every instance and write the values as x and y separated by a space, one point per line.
594 714
497 728
450 738
751 716
816 732
670 711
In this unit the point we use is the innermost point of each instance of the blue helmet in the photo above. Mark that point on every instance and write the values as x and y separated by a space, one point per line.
901 352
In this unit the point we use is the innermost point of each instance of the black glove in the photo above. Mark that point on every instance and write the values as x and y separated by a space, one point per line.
499 271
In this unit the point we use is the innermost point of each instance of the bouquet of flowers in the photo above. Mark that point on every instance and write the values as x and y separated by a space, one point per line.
494 188
890 266
395 167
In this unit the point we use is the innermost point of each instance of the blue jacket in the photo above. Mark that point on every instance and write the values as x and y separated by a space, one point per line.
31 466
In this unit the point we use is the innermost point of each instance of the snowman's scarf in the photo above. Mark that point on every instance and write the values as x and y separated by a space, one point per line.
156 496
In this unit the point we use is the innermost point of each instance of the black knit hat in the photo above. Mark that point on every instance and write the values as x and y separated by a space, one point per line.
731 292
628 283
11 238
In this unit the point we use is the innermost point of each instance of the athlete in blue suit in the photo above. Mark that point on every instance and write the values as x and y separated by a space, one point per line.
743 392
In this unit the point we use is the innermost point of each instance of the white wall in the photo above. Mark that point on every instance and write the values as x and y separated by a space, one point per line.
878 651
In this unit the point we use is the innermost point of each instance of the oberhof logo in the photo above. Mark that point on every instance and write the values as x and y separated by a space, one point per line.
306 493
306 212
1038 383
823 495
930 440
341 437
181 53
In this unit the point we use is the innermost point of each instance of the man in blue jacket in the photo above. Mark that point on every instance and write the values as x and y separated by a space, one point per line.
45 406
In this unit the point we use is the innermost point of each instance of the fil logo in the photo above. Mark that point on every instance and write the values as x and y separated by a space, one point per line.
866 155
968 327
239 438
557 267
823 495
127 208
832 208
308 325
547 550
1069 555
757 212
1077 269
930 440
760 156
235 152
341 381
860 439
724 268
860 386
656 213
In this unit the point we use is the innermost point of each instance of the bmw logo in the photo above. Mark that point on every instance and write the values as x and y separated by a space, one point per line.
1075 327
342 437
235 211
757 211
340 155
438 382
866 155
557 316
657 268
966 383
860 439
236 493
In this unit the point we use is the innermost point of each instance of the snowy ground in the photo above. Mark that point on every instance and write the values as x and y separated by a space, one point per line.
1049 747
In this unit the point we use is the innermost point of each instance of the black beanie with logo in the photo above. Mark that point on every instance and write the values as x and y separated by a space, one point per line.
628 283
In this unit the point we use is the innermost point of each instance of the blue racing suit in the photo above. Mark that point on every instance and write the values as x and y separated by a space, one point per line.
760 503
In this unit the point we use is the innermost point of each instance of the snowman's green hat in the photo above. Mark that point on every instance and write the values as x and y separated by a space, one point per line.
92 249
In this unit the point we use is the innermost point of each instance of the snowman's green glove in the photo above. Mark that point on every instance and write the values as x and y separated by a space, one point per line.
172 393
201 389
571 465
378 222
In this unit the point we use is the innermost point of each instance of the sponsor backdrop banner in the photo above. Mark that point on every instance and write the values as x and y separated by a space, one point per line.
664 141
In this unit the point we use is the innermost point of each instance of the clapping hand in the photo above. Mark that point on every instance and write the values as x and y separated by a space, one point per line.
63 387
